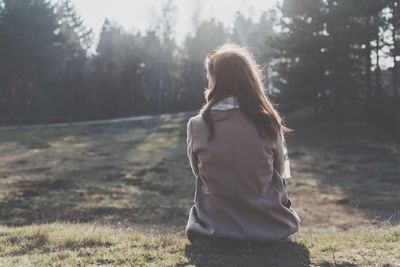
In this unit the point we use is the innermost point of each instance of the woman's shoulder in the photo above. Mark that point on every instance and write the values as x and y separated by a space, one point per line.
196 119
216 116
197 123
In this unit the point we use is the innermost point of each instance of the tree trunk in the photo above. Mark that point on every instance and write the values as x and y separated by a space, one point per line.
394 53
396 108
378 85
368 67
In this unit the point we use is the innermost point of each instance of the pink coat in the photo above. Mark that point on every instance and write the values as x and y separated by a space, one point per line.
239 192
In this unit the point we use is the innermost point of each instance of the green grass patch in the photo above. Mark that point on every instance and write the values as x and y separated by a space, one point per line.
90 244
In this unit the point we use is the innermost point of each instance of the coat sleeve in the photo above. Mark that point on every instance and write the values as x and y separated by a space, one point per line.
282 163
191 156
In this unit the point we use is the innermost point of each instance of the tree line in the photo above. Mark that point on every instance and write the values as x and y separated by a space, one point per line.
47 70
340 56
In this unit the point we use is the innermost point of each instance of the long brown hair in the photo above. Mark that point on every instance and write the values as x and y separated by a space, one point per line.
233 71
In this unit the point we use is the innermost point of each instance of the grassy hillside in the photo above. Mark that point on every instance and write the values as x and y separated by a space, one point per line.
119 193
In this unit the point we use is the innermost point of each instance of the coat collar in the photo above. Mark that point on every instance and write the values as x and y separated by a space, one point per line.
230 102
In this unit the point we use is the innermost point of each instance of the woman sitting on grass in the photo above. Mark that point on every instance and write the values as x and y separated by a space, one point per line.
237 152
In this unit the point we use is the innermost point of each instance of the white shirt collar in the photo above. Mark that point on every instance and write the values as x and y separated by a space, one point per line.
230 102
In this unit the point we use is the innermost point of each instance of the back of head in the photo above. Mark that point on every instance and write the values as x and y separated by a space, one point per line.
233 71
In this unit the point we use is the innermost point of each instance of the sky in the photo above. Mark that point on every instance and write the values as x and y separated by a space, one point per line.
139 15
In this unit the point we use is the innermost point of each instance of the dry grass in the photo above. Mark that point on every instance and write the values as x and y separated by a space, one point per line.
90 244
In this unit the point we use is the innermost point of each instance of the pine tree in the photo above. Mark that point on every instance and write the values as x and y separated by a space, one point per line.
30 57
299 50
76 40
394 26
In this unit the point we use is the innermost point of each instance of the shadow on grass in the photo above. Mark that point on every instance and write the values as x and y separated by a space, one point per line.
357 157
134 172
284 253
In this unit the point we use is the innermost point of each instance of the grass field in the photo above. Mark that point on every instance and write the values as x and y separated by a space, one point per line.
120 193
91 244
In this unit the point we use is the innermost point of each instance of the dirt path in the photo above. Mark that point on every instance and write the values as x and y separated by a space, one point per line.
81 123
